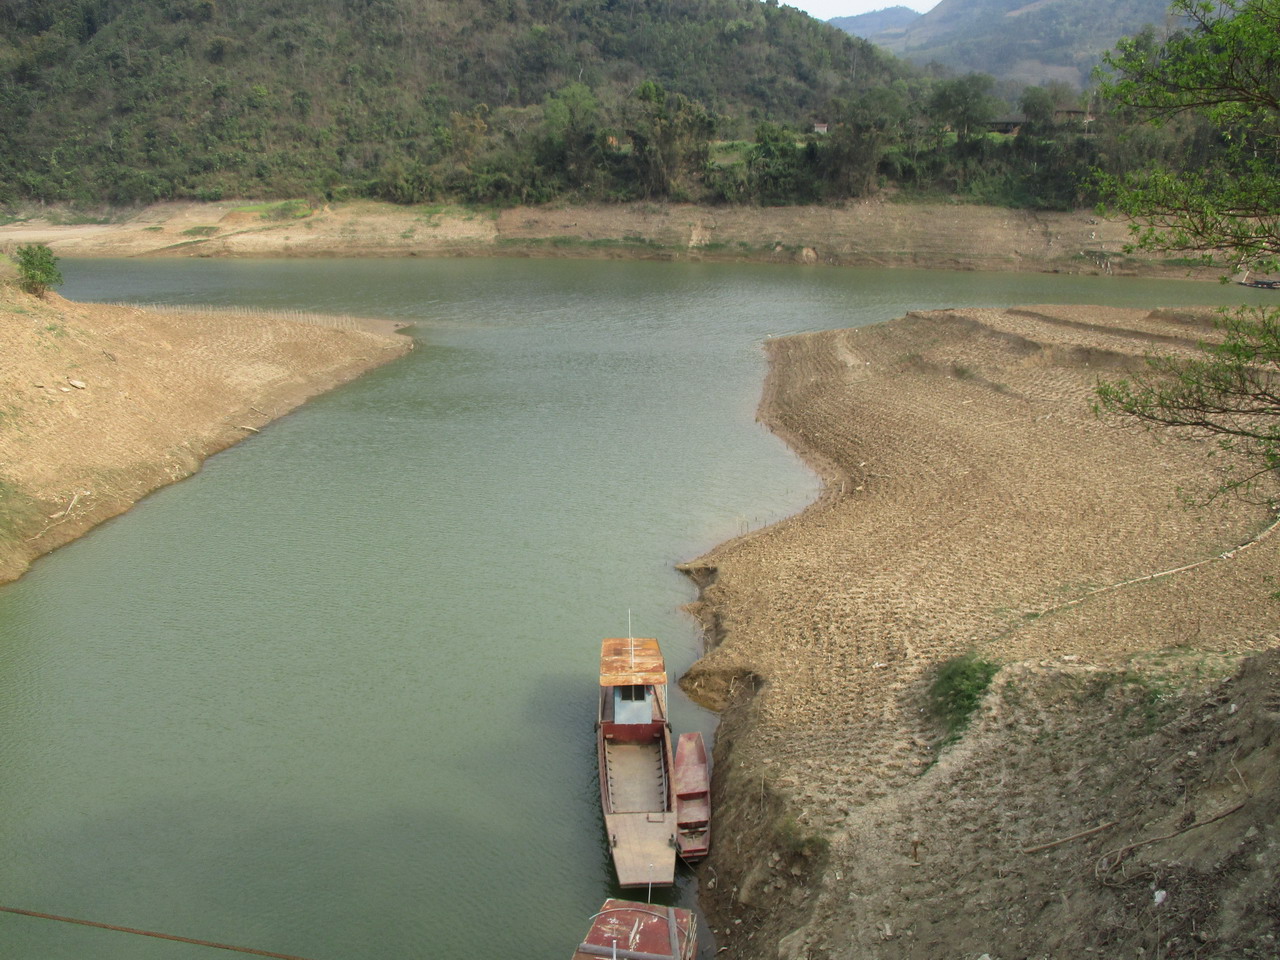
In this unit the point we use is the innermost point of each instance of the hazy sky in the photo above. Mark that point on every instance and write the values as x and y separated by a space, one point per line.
826 9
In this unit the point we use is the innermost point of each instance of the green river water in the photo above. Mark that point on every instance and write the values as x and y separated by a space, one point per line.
333 696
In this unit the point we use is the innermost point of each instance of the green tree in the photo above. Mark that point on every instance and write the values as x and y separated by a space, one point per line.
776 169
669 136
1225 67
571 120
37 269
965 104
866 127
1038 106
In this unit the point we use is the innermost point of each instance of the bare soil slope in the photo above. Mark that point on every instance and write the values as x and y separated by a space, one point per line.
974 503
103 404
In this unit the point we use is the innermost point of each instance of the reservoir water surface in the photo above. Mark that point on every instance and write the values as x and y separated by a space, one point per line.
333 696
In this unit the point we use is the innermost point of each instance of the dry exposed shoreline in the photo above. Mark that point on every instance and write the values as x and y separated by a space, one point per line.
872 233
105 404
974 503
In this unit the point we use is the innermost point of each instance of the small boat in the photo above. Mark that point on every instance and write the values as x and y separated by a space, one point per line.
1246 279
693 798
633 742
630 931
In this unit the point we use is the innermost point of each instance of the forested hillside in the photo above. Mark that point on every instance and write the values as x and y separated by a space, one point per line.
518 101
134 100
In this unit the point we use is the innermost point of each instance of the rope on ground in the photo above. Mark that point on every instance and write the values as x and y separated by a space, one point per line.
151 933
1230 554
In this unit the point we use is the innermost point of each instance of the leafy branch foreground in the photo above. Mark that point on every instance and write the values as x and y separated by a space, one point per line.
1223 70
1230 393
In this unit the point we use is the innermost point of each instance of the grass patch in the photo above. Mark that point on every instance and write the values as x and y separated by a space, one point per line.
199 231
725 152
800 842
958 689
278 210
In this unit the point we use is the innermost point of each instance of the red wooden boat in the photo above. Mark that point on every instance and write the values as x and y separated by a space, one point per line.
693 798
630 931
633 741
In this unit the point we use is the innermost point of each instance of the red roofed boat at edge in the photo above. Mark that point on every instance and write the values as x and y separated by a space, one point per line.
633 741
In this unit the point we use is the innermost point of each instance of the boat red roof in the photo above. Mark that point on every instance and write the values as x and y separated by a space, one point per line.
630 662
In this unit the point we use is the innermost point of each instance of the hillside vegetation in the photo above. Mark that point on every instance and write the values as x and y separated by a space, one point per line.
125 100
114 102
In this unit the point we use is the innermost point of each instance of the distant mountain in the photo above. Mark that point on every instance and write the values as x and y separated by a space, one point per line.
1022 41
878 24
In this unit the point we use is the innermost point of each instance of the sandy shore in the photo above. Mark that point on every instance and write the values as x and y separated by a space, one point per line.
104 403
974 503
874 233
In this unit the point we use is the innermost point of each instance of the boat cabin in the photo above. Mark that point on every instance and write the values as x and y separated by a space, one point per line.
633 681
633 741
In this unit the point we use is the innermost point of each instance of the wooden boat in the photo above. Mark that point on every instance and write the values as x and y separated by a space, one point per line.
633 741
639 931
693 798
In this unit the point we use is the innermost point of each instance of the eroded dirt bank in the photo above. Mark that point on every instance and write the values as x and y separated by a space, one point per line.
974 503
876 233
103 404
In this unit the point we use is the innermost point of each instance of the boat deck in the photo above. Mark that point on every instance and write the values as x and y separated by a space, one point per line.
644 847
635 777
642 833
